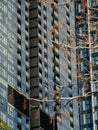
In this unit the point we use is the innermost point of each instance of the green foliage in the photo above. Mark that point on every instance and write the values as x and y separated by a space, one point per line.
3 125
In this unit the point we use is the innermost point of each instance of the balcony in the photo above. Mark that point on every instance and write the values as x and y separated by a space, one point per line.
56 51
19 120
19 48
46 71
19 68
19 6
45 60
40 85
19 36
56 70
40 56
27 65
46 90
70 91
26 23
39 26
19 16
27 75
45 51
27 126
27 44
55 23
19 79
19 57
27 85
27 54
19 26
55 15
26 13
40 75
40 66
57 79
56 61
45 23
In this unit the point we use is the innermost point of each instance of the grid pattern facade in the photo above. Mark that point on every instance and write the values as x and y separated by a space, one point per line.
51 65
14 56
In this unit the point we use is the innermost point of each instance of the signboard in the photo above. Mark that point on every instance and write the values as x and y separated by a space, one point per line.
18 100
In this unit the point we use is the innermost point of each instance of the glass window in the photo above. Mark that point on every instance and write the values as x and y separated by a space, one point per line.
11 6
87 129
3 39
11 80
95 87
3 93
3 60
94 2
1 16
88 118
10 123
11 36
95 60
3 72
3 28
96 115
88 104
11 68
11 58
3 116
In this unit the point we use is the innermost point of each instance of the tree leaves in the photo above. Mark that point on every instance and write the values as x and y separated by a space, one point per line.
3 125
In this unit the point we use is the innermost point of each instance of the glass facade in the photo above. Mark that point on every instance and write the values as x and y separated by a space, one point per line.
14 56
52 64
86 33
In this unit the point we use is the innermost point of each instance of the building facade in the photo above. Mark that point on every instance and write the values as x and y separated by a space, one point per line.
14 63
48 32
87 38
53 64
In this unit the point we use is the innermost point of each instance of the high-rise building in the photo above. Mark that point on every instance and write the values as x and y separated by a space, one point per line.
87 38
47 30
14 63
53 65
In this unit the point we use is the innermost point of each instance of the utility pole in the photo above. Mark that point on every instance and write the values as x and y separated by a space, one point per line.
90 58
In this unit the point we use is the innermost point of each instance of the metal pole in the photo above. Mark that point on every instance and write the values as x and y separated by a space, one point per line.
90 56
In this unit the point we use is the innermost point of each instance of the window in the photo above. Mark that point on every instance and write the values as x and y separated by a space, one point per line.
95 87
3 93
10 122
3 50
94 2
88 118
79 7
95 60
1 16
11 36
3 116
3 72
88 104
10 111
11 6
96 115
11 58
11 80
11 68
3 60
3 28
